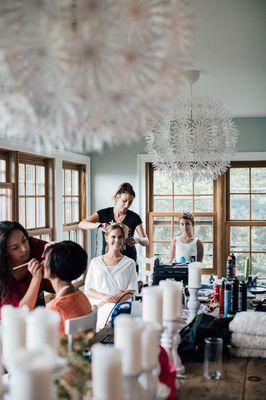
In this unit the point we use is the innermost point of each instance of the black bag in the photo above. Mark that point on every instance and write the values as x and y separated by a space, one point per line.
191 347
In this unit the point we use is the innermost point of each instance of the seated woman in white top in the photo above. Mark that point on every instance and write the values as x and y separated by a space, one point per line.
111 278
186 247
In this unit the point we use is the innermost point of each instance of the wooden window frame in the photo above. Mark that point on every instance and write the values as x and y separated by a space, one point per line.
245 223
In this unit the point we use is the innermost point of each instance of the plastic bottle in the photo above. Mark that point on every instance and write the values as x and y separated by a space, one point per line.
221 298
235 290
227 298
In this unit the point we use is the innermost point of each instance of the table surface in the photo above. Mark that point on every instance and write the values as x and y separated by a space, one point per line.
233 385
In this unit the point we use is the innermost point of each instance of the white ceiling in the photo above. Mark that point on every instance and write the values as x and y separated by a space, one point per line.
229 50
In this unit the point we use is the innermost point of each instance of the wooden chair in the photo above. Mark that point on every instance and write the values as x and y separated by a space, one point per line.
80 324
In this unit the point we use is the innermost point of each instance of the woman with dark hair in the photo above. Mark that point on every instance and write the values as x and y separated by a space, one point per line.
24 285
186 247
120 213
111 278
64 262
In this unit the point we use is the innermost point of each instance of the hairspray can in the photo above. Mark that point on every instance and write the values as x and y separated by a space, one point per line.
229 268
235 290
234 263
221 298
227 298
243 296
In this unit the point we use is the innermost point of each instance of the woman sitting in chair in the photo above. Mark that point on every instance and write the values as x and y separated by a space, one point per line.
64 262
112 278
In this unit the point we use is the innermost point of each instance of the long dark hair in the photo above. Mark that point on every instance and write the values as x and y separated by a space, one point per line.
6 228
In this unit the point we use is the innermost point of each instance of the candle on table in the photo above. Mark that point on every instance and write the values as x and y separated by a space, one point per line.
43 329
106 373
127 335
194 275
172 299
152 304
32 375
13 332
150 345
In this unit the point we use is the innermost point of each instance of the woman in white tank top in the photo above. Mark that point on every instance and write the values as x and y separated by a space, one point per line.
186 247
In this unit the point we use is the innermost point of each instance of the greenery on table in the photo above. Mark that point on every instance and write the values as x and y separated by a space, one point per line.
73 383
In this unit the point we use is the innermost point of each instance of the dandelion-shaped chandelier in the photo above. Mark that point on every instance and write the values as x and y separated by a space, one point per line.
196 141
95 71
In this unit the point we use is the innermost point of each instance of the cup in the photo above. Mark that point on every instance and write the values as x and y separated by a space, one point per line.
213 358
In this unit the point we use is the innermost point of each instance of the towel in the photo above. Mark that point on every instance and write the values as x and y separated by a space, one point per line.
248 341
249 322
246 352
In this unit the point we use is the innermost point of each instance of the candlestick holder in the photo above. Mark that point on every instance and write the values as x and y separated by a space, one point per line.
193 303
149 381
170 340
133 390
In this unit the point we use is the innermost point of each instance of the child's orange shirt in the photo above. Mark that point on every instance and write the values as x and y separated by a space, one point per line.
70 306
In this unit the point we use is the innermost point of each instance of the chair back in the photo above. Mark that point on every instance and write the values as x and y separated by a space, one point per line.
80 324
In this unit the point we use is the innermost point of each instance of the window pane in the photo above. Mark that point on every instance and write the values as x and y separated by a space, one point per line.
67 182
66 235
73 235
177 230
258 264
239 238
258 206
208 261
183 188
203 187
239 180
75 210
162 250
183 204
203 203
204 232
239 207
258 234
2 171
21 179
75 183
30 213
162 232
46 237
30 179
40 212
5 204
63 182
67 210
162 185
258 180
164 204
22 211
40 180
208 249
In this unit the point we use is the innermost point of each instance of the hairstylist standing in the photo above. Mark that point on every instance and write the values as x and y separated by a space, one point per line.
120 213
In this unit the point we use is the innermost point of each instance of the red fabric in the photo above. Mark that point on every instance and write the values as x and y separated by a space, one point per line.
167 373
17 289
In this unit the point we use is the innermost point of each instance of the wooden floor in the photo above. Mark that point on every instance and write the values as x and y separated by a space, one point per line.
234 385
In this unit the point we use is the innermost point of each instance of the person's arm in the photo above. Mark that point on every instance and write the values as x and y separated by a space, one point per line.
92 222
172 252
200 251
95 294
123 295
31 295
142 238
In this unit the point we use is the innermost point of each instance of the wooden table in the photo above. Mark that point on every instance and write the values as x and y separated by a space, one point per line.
233 385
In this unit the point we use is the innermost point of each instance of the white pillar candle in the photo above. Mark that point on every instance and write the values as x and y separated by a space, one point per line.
194 275
32 376
150 345
43 329
172 299
128 340
13 332
107 379
152 304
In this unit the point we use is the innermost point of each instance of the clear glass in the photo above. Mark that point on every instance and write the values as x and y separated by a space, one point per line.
162 185
213 352
258 180
239 207
239 180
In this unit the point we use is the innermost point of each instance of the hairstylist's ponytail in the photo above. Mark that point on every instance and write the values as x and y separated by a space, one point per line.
125 188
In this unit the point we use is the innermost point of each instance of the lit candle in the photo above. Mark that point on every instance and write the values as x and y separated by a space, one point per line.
150 345
43 329
194 275
152 304
107 380
32 375
172 299
128 340
13 332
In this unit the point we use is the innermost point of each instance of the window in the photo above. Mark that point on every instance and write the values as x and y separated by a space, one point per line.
6 190
166 201
34 190
246 214
74 201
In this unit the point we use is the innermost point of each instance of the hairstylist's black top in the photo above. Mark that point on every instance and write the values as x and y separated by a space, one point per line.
132 220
